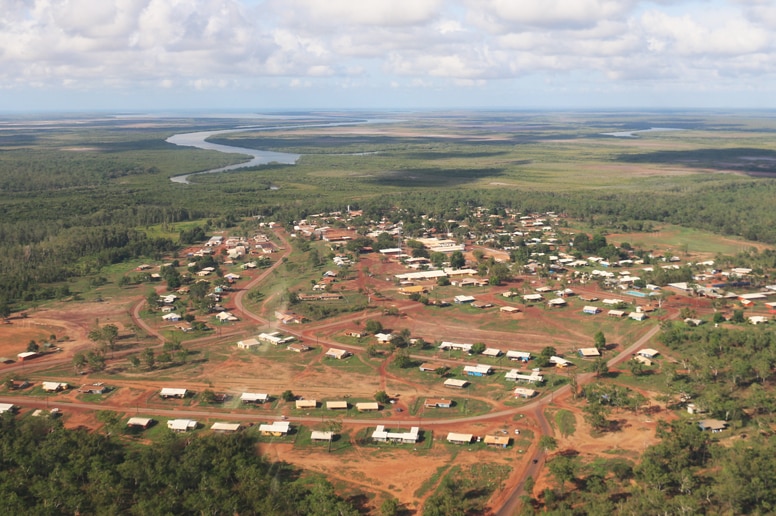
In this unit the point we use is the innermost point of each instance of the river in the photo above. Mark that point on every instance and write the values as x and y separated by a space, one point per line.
257 157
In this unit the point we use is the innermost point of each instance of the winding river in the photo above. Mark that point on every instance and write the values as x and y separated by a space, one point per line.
258 157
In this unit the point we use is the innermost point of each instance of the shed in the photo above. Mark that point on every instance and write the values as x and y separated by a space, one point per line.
560 362
509 309
492 352
26 355
588 352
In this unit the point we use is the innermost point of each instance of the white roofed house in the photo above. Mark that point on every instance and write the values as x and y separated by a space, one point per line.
248 344
477 370
523 356
7 407
226 316
337 354
522 392
317 435
276 429
169 392
455 346
457 438
380 434
224 428
254 397
491 352
515 375
139 422
560 362
181 425
54 386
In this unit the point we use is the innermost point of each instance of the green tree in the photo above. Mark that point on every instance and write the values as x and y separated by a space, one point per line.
288 396
382 397
457 260
548 443
477 348
33 346
79 362
599 341
390 507
564 469
373 326
149 358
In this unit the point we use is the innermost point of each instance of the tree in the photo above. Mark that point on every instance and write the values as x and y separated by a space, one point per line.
79 362
403 359
600 367
373 326
382 397
134 361
390 507
149 358
33 346
599 341
288 396
208 396
548 443
564 469
457 260
477 348
636 367
96 361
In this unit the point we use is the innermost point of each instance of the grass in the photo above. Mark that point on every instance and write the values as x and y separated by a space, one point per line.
566 422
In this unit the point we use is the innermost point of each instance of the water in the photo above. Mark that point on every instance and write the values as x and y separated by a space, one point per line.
257 157
634 134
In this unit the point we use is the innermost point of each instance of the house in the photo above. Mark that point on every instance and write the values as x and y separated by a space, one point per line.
96 388
26 355
491 352
382 435
384 338
289 318
556 303
169 392
642 360
477 370
254 397
226 317
757 319
429 367
715 425
298 347
616 313
413 289
248 344
276 338
306 404
509 309
181 425
461 299
367 406
588 352
516 376
437 403
591 310
648 353
276 429
457 438
638 316
6 407
455 346
499 441
139 422
523 356
54 386
317 435
560 362
354 333
522 392
455 384
225 428
336 405
337 354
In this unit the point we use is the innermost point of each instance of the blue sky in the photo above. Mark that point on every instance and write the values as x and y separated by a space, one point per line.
76 55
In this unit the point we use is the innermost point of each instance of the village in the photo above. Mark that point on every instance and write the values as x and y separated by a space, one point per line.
345 332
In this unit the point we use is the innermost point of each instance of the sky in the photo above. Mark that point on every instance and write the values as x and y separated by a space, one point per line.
136 55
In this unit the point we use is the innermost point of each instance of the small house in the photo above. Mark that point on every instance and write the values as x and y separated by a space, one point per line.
715 425
492 352
276 429
437 403
522 356
648 353
638 316
318 436
368 406
171 317
298 347
54 386
509 309
455 384
225 428
248 344
181 425
26 355
169 392
337 354
591 310
306 404
461 299
7 407
139 422
515 375
477 370
522 392
254 397
380 434
456 438
497 441
588 352
560 362
429 367
455 346
336 405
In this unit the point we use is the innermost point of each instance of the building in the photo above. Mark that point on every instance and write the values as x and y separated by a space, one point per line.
429 367
523 356
461 299
437 403
337 354
54 386
306 404
648 353
492 352
275 338
317 435
521 392
367 406
455 346
477 370
6 407
254 397
276 429
509 309
26 355
638 316
498 441
139 422
298 347
588 352
169 392
560 362
382 435
457 438
715 425
591 310
455 384
336 405
514 375
96 388
181 425
225 428
248 344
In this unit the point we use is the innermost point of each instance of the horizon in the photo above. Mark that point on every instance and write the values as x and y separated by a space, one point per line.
280 55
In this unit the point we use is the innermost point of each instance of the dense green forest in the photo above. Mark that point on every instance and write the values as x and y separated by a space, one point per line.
45 469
